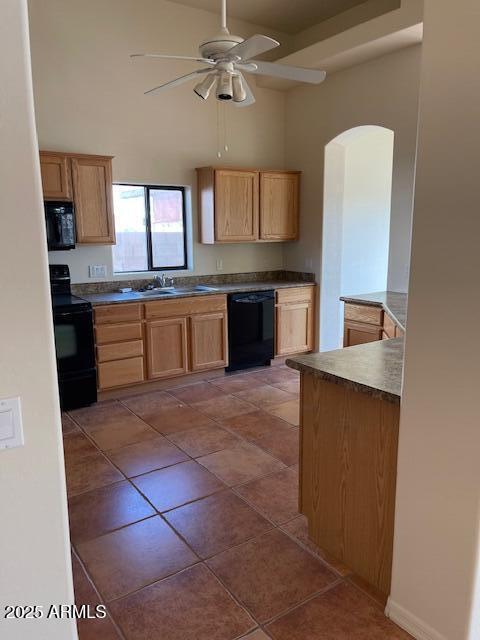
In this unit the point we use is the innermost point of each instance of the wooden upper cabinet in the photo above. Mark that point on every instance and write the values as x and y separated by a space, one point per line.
56 178
279 200
236 206
92 190
248 205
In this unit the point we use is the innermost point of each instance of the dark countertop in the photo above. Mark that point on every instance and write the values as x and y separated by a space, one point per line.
237 287
395 304
375 368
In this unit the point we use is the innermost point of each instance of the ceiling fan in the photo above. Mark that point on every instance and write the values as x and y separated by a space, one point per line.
227 56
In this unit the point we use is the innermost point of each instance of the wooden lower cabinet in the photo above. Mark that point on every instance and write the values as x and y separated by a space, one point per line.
358 333
120 373
208 341
166 347
295 320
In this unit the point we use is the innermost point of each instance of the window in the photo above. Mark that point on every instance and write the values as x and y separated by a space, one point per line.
150 228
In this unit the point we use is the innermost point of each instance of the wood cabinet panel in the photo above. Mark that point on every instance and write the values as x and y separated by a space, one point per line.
92 188
166 347
185 306
294 328
56 178
208 341
117 313
295 294
108 333
236 206
348 476
120 373
389 326
279 205
364 313
357 333
119 350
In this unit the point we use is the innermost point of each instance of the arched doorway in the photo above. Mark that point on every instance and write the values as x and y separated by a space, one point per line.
356 222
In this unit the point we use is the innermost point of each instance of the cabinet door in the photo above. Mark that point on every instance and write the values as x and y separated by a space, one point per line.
166 347
92 188
294 328
279 196
358 333
208 341
236 205
56 180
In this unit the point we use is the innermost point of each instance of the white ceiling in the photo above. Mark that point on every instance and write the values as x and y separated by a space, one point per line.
289 16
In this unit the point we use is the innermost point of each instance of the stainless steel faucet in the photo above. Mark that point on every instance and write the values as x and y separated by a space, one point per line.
163 281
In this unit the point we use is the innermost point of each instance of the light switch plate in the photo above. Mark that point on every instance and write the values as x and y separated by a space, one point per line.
11 427
97 270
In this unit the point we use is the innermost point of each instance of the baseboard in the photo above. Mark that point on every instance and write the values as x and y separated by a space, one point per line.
410 623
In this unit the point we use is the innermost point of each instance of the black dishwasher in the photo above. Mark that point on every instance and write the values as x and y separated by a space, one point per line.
250 329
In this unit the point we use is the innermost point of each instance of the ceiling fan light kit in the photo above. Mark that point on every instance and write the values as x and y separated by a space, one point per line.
227 56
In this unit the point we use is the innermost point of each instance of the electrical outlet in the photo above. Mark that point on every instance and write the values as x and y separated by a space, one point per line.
97 271
219 264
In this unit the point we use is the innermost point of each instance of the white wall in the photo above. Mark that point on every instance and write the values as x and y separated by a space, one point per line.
89 98
35 560
382 92
436 572
366 211
356 223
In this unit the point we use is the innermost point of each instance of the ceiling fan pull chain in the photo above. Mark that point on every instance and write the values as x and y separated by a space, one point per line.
219 153
225 140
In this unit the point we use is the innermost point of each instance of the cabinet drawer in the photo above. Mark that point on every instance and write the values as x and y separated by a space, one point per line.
296 294
185 306
119 373
389 326
118 313
364 313
106 333
119 350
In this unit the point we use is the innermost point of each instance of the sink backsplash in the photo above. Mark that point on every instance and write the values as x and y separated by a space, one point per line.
87 288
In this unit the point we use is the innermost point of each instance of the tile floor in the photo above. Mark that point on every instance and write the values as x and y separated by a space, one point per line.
184 521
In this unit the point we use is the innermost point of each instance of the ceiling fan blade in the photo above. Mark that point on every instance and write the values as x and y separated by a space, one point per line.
250 99
177 81
313 76
253 46
167 57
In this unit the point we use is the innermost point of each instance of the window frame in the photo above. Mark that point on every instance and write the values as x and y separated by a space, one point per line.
148 225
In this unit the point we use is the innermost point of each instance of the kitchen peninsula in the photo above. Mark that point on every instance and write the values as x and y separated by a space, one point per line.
349 420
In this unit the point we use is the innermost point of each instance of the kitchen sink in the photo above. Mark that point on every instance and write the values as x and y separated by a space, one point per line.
175 291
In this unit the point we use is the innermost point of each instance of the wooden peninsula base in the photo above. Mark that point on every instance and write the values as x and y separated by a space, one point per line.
348 467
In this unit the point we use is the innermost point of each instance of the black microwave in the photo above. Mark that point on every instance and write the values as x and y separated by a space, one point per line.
60 220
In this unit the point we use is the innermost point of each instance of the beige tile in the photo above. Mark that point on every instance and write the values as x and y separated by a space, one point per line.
298 529
191 605
85 467
288 411
235 383
270 574
203 440
97 512
240 463
342 613
171 487
198 392
265 395
130 558
272 434
275 496
225 406
177 417
147 404
217 523
143 457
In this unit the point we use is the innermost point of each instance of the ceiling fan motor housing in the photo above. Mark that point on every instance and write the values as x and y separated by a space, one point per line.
216 47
